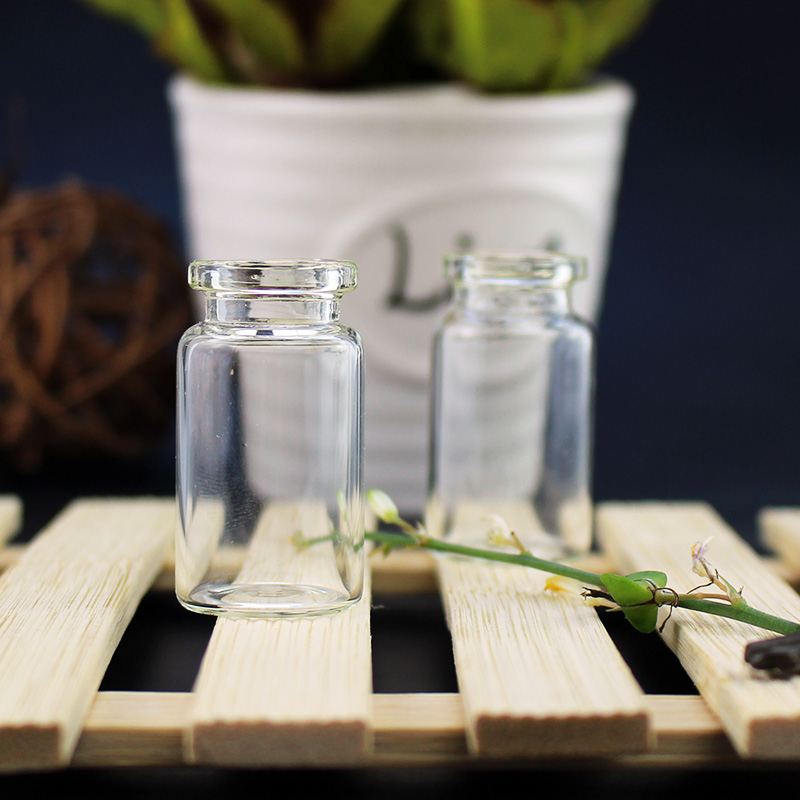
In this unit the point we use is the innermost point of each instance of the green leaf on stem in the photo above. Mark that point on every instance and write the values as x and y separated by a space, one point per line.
635 595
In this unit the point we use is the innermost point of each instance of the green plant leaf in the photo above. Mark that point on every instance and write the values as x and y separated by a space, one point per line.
655 577
267 31
633 593
348 31
643 618
493 45
502 45
182 42
626 591
569 63
524 45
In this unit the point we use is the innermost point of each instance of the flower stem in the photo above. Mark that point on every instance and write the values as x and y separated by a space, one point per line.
740 610
523 559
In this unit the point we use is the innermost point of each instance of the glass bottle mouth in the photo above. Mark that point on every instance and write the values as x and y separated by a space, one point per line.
540 268
286 277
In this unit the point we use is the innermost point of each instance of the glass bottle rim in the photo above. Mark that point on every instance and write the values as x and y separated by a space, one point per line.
539 267
290 277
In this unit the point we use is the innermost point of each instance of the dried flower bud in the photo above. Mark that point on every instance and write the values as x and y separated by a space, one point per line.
699 564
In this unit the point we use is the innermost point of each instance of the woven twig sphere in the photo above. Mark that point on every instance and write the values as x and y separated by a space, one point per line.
92 301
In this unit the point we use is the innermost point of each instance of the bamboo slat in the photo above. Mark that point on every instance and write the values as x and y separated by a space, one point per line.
538 674
288 692
779 529
140 729
134 729
63 608
761 716
10 516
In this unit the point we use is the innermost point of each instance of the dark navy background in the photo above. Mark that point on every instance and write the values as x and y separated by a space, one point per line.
699 342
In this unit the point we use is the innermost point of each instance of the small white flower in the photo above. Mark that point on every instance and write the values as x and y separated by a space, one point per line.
499 532
383 506
699 564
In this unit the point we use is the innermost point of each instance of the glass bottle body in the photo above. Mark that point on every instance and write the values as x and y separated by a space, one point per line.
270 444
513 405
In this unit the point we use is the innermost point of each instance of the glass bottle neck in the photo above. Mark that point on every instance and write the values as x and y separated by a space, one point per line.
496 300
243 309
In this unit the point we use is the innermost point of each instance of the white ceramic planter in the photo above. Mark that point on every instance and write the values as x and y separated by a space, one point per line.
393 180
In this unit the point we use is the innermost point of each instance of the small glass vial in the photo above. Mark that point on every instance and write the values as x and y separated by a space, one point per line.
270 443
513 404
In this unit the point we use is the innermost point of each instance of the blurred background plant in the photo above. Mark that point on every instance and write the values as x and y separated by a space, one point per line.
492 45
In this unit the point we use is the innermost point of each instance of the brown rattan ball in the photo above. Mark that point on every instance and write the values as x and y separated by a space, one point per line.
93 299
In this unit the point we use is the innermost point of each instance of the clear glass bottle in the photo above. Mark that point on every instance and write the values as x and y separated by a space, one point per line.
513 404
270 442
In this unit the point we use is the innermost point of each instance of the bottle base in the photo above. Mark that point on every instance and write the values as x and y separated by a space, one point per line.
265 600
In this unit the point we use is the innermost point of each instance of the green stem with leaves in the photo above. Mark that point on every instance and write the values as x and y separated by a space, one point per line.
738 610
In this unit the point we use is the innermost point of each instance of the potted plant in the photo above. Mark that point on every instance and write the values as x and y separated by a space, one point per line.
390 132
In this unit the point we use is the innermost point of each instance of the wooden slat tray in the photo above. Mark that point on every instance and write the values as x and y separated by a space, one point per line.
540 679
